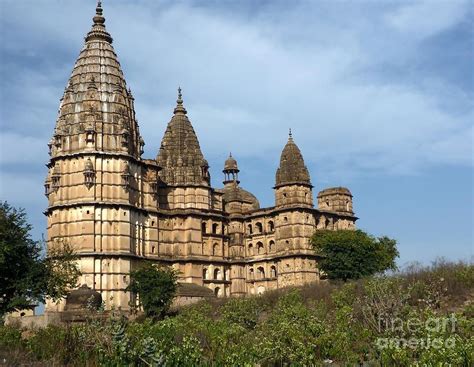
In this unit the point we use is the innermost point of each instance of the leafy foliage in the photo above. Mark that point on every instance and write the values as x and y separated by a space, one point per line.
26 276
155 287
292 327
349 254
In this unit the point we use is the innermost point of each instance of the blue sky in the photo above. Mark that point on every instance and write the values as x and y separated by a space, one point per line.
379 96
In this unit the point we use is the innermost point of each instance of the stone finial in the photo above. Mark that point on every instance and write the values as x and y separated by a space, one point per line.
179 104
98 31
99 18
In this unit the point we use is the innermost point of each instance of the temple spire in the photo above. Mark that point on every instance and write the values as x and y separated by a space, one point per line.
180 155
99 19
98 31
292 167
179 104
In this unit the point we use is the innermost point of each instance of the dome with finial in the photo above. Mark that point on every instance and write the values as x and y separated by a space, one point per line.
236 199
233 193
98 28
96 95
230 164
180 154
292 169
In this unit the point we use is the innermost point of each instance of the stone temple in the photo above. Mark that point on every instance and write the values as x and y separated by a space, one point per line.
118 209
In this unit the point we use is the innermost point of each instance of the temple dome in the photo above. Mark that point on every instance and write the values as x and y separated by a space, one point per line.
292 169
230 164
180 155
96 100
234 193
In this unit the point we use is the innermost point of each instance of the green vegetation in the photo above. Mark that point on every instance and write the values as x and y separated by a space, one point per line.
26 276
155 287
421 316
349 254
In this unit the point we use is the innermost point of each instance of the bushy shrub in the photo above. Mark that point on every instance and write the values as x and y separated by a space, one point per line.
353 323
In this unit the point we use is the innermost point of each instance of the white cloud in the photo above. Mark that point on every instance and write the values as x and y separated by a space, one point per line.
248 78
422 19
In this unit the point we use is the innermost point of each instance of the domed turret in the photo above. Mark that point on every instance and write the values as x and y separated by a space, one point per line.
292 169
236 199
230 164
231 171
293 184
180 155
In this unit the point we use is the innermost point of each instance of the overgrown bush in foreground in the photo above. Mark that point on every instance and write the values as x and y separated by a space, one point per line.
419 317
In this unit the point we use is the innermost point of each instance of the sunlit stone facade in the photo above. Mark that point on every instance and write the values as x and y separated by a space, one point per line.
117 208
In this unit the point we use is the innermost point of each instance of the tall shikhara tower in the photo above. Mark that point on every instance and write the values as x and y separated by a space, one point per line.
118 209
95 172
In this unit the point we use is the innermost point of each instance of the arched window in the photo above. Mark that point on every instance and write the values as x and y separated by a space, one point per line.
260 248
273 271
271 246
215 249
217 274
260 272
217 291
215 228
251 274
204 273
259 227
203 227
271 226
250 249
249 229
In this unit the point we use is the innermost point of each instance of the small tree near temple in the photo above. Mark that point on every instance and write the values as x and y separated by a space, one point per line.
353 254
155 286
26 276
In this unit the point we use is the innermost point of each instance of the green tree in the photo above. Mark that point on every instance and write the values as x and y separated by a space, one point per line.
155 286
26 276
349 254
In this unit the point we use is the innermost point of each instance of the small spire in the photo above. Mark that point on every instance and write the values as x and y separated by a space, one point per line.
98 27
230 155
99 18
179 108
290 135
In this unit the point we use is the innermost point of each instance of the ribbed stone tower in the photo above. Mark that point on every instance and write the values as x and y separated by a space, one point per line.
293 184
295 221
95 170
180 155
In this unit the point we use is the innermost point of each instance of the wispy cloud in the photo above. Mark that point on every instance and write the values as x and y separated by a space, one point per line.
371 89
